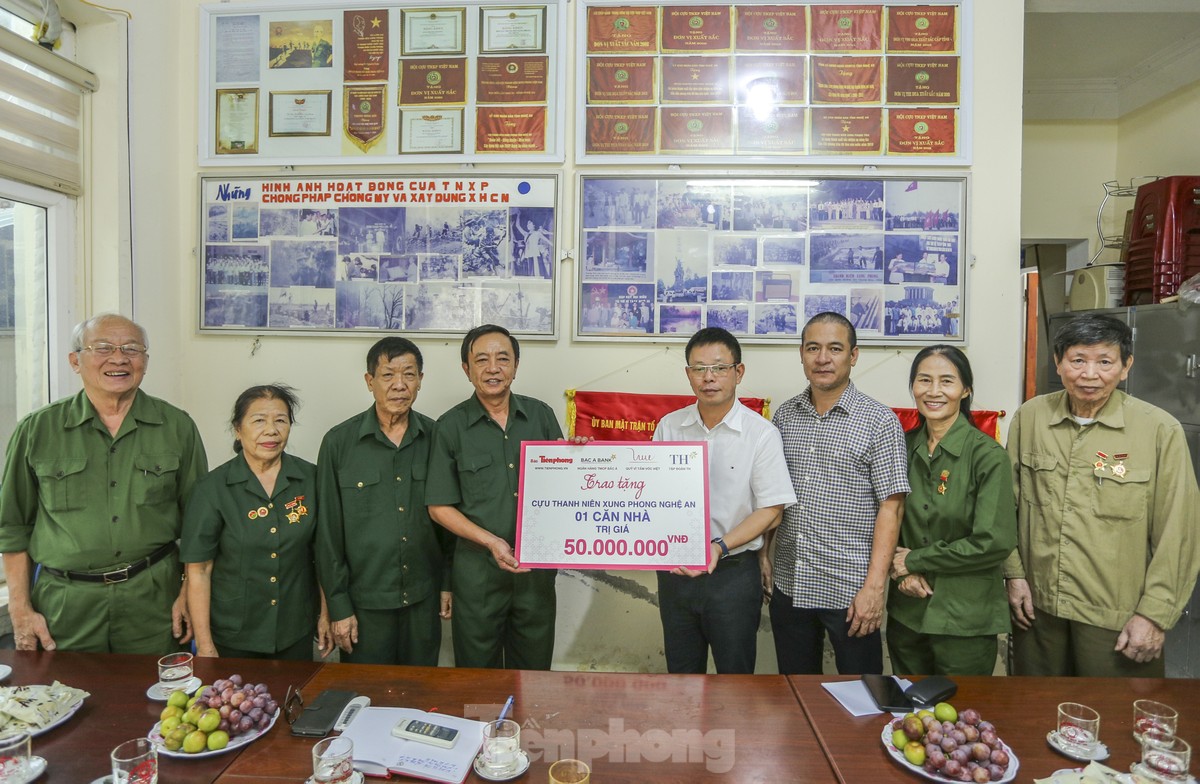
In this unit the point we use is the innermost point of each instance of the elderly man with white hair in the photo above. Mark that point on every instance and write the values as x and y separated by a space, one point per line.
93 493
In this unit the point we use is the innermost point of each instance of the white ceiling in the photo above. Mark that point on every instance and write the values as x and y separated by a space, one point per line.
1101 59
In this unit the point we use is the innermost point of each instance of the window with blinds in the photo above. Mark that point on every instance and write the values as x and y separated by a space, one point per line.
41 103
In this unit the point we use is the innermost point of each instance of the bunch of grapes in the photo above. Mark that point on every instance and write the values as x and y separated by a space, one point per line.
243 706
964 750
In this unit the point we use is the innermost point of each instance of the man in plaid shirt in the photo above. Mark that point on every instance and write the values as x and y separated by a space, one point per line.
829 570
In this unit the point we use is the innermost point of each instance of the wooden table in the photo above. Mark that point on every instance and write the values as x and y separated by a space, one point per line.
78 750
632 728
1023 710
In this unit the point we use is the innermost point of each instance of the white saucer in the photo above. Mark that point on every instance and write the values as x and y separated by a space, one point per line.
5 671
1098 755
37 766
155 693
522 766
357 778
1137 769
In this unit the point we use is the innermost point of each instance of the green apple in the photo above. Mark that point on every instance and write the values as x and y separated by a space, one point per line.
944 711
168 725
193 714
217 740
178 698
209 720
914 752
198 741
899 739
169 712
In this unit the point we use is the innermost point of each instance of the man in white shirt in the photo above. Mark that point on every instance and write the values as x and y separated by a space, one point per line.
719 608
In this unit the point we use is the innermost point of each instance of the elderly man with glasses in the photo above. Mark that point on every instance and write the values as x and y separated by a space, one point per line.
719 608
93 492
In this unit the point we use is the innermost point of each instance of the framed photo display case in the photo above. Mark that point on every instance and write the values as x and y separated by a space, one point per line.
317 82
422 253
832 82
663 256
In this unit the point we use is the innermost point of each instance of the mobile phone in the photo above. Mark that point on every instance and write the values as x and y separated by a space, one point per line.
887 693
321 714
426 732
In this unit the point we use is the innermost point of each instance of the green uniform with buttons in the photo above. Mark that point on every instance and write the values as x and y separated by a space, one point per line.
264 583
960 523
79 499
500 619
379 556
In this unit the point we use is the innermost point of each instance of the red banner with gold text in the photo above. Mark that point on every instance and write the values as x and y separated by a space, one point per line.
626 416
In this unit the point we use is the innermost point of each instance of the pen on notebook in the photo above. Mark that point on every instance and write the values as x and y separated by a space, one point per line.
507 706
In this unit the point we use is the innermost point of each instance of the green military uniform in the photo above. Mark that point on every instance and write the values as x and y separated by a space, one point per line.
500 619
1108 526
78 499
379 556
960 523
264 584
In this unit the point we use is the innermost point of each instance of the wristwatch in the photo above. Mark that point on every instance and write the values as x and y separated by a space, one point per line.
724 547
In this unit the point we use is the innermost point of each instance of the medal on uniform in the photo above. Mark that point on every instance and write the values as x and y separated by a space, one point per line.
252 514
262 511
1119 469
1102 464
942 487
296 509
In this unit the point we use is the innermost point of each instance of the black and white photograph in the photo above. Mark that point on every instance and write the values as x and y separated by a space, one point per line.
846 204
770 207
236 265
731 250
437 266
679 319
370 229
684 204
517 305
278 223
322 223
823 303
775 320
681 266
227 306
531 241
732 286
922 310
301 307
618 203
358 266
245 221
780 251
925 205
398 269
444 230
450 307
618 308
921 258
617 256
776 286
735 318
484 235
866 309
303 263
368 305
846 258
218 223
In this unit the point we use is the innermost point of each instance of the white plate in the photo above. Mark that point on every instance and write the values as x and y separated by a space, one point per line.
886 736
71 711
1098 755
37 766
522 766
234 743
356 778
5 671
157 694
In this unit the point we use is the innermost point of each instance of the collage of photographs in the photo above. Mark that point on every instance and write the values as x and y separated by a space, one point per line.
419 267
759 257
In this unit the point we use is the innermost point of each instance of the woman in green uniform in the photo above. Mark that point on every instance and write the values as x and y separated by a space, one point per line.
248 542
948 601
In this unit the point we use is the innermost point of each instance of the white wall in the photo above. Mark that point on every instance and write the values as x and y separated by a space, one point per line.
606 622
1160 139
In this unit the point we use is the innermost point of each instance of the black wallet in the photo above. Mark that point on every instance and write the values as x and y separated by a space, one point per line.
890 697
321 714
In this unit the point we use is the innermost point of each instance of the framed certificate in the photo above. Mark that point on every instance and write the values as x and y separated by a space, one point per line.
423 131
237 121
512 30
433 31
300 113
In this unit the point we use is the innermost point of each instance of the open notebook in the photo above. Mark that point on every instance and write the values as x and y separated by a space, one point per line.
379 753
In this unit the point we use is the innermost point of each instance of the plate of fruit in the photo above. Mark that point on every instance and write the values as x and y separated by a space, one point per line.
944 744
224 716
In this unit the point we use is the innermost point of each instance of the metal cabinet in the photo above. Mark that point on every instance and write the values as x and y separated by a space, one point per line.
1166 349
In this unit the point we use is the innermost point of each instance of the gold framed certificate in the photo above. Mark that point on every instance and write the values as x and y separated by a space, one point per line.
515 29
300 113
424 131
237 121
433 31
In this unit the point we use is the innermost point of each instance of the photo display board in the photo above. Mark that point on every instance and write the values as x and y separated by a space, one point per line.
313 83
419 254
664 256
828 81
